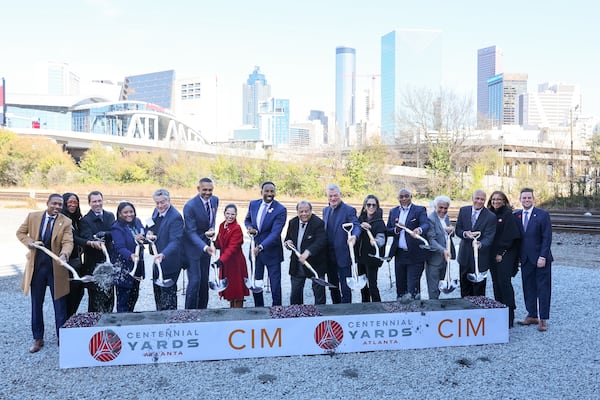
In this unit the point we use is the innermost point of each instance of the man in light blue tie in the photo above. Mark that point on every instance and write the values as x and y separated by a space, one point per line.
265 219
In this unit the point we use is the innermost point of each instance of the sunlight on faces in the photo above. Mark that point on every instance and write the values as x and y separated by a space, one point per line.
334 197
206 190
304 212
230 215
55 205
268 193
127 214
442 209
526 200
479 199
72 204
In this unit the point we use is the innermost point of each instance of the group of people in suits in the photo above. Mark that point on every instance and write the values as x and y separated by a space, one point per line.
504 240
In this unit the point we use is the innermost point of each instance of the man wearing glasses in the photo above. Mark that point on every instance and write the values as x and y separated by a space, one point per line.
408 255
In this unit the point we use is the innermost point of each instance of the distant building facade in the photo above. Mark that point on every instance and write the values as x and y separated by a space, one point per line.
61 80
256 91
154 87
274 122
504 91
490 62
345 93
411 60
550 106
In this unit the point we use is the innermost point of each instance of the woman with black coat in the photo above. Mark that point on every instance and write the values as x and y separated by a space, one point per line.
504 252
370 219
76 288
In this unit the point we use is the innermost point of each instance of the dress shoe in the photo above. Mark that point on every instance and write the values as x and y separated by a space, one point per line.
529 321
37 345
542 326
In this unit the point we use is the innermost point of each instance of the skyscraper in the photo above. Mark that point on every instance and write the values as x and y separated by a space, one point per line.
411 62
504 90
490 62
256 91
62 81
345 92
274 122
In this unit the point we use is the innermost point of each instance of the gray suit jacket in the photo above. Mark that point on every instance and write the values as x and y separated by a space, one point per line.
437 238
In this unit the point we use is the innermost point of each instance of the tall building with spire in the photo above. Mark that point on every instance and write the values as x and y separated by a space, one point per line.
490 62
256 91
345 93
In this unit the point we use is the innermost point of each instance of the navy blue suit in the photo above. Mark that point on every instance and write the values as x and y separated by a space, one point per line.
486 224
197 222
339 262
535 243
410 262
168 242
128 288
269 237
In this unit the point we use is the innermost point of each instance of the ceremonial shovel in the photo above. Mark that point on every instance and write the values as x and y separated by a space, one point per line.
216 284
254 285
412 233
448 285
315 278
160 281
76 277
354 281
477 276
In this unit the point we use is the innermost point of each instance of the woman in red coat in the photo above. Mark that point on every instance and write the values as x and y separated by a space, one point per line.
232 261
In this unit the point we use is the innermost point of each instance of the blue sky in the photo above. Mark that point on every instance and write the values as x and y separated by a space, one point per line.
294 41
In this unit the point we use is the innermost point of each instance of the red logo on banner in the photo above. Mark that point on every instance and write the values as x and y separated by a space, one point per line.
105 345
329 335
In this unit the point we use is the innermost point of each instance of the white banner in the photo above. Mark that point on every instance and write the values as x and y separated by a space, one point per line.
192 341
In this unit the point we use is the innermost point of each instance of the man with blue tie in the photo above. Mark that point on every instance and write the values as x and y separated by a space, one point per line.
167 227
199 214
55 231
265 219
409 257
536 260
470 221
95 225
339 245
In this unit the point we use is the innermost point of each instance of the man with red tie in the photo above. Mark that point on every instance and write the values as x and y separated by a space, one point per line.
55 231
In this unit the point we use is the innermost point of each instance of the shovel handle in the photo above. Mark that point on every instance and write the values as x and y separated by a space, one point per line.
39 246
297 253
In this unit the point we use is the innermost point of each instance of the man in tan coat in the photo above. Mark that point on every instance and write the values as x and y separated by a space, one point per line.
54 230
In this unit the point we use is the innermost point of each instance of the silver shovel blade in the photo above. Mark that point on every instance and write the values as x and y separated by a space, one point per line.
250 285
164 283
85 279
476 278
446 286
218 285
357 283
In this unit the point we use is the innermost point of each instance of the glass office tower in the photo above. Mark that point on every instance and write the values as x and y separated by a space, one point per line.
490 62
345 92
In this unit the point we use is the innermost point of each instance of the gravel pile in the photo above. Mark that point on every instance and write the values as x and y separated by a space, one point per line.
563 362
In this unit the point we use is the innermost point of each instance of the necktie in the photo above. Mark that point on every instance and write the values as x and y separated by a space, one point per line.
265 206
157 223
301 230
525 220
208 212
473 218
47 235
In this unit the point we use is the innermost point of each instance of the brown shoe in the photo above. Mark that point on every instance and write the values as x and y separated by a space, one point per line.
529 321
37 345
542 326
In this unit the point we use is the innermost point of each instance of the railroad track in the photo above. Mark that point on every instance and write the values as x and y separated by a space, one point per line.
562 221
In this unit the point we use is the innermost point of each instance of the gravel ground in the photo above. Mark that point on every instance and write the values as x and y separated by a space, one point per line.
561 363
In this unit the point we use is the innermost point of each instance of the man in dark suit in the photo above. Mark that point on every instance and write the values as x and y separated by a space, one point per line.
55 231
306 232
266 218
97 223
168 229
339 263
475 218
536 260
409 257
199 214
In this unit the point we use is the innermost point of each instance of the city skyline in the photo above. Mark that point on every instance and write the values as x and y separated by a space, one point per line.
294 45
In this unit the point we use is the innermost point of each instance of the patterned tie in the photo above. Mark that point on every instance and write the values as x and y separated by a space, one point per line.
209 213
473 219
525 220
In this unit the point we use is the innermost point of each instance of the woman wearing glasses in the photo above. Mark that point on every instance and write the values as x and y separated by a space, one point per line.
367 250
504 251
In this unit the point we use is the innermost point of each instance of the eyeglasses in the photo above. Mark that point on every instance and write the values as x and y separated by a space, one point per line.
371 205
497 199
